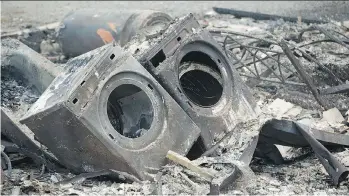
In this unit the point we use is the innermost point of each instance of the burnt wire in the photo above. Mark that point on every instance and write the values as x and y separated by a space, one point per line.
328 34
249 53
248 50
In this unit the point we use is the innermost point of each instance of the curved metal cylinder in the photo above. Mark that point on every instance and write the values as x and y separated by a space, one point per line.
85 30
147 22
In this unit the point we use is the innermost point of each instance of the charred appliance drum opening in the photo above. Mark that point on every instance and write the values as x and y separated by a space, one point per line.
200 79
192 67
108 112
130 111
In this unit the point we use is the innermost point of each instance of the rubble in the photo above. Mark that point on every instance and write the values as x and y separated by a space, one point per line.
280 107
33 36
23 140
333 116
297 172
25 75
337 171
32 68
16 92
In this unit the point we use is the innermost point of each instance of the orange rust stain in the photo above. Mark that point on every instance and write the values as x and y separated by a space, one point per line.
105 35
112 26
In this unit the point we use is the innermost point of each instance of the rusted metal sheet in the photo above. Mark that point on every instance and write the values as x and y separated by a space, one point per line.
107 112
84 30
191 66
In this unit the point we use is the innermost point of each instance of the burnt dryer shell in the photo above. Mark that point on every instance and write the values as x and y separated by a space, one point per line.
108 112
192 67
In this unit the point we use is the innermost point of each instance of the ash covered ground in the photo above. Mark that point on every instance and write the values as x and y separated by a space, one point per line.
16 93
302 174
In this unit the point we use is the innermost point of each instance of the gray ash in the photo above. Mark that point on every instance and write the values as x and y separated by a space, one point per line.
15 89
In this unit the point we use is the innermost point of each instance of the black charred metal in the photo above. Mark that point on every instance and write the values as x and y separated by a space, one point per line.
299 67
147 22
270 152
191 66
15 132
288 133
285 132
107 112
343 88
261 16
223 182
334 168
85 30
9 146
295 134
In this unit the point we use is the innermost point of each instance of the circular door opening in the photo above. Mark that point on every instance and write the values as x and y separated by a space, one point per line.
130 111
200 79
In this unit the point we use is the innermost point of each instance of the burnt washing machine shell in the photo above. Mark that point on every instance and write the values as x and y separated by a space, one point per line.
192 67
107 112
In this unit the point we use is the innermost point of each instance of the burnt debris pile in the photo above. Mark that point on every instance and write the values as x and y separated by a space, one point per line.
156 91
